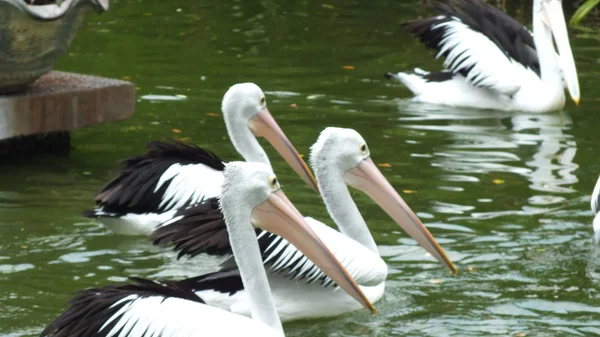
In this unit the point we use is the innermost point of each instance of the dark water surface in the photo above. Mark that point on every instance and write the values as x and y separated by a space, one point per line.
506 194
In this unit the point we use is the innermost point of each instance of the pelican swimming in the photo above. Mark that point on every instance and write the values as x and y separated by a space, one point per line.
149 189
595 204
340 157
250 195
492 61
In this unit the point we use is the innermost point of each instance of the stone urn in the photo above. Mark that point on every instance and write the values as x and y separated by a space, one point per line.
34 34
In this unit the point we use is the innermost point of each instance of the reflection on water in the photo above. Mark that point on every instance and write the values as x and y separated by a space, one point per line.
487 145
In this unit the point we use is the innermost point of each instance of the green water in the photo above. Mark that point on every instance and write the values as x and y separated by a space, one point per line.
506 194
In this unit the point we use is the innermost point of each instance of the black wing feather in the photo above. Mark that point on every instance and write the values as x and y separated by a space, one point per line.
91 308
223 281
132 190
196 229
201 229
507 33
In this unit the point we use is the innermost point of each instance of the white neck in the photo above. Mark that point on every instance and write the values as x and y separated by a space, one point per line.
340 205
247 257
549 66
243 140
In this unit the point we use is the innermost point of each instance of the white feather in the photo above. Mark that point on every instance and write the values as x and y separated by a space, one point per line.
160 316
492 68
296 300
190 183
595 199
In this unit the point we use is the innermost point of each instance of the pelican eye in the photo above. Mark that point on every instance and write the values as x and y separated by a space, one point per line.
262 100
363 148
273 182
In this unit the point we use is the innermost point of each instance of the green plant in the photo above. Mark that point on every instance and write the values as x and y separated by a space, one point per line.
582 11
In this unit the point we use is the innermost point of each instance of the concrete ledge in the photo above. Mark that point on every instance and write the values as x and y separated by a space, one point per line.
61 101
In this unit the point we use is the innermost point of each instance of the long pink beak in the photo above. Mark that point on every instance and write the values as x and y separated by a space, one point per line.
264 125
367 178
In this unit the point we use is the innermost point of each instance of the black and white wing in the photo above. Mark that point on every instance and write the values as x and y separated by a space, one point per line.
169 176
148 309
485 45
196 229
201 229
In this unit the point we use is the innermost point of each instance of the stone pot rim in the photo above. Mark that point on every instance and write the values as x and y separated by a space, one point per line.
54 11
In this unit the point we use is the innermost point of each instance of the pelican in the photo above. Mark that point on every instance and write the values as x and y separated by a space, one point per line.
595 204
250 195
340 157
492 61
150 188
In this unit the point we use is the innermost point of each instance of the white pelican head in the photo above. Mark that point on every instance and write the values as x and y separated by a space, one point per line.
246 116
345 151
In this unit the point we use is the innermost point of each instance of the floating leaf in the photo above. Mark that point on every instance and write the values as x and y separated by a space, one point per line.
498 181
87 173
176 131
24 246
436 281
147 14
520 334
213 114
126 78
386 165
294 105
184 139
348 67
328 6
409 191
132 128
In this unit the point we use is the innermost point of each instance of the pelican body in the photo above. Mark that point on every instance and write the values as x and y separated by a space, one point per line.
340 158
251 196
150 188
492 61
